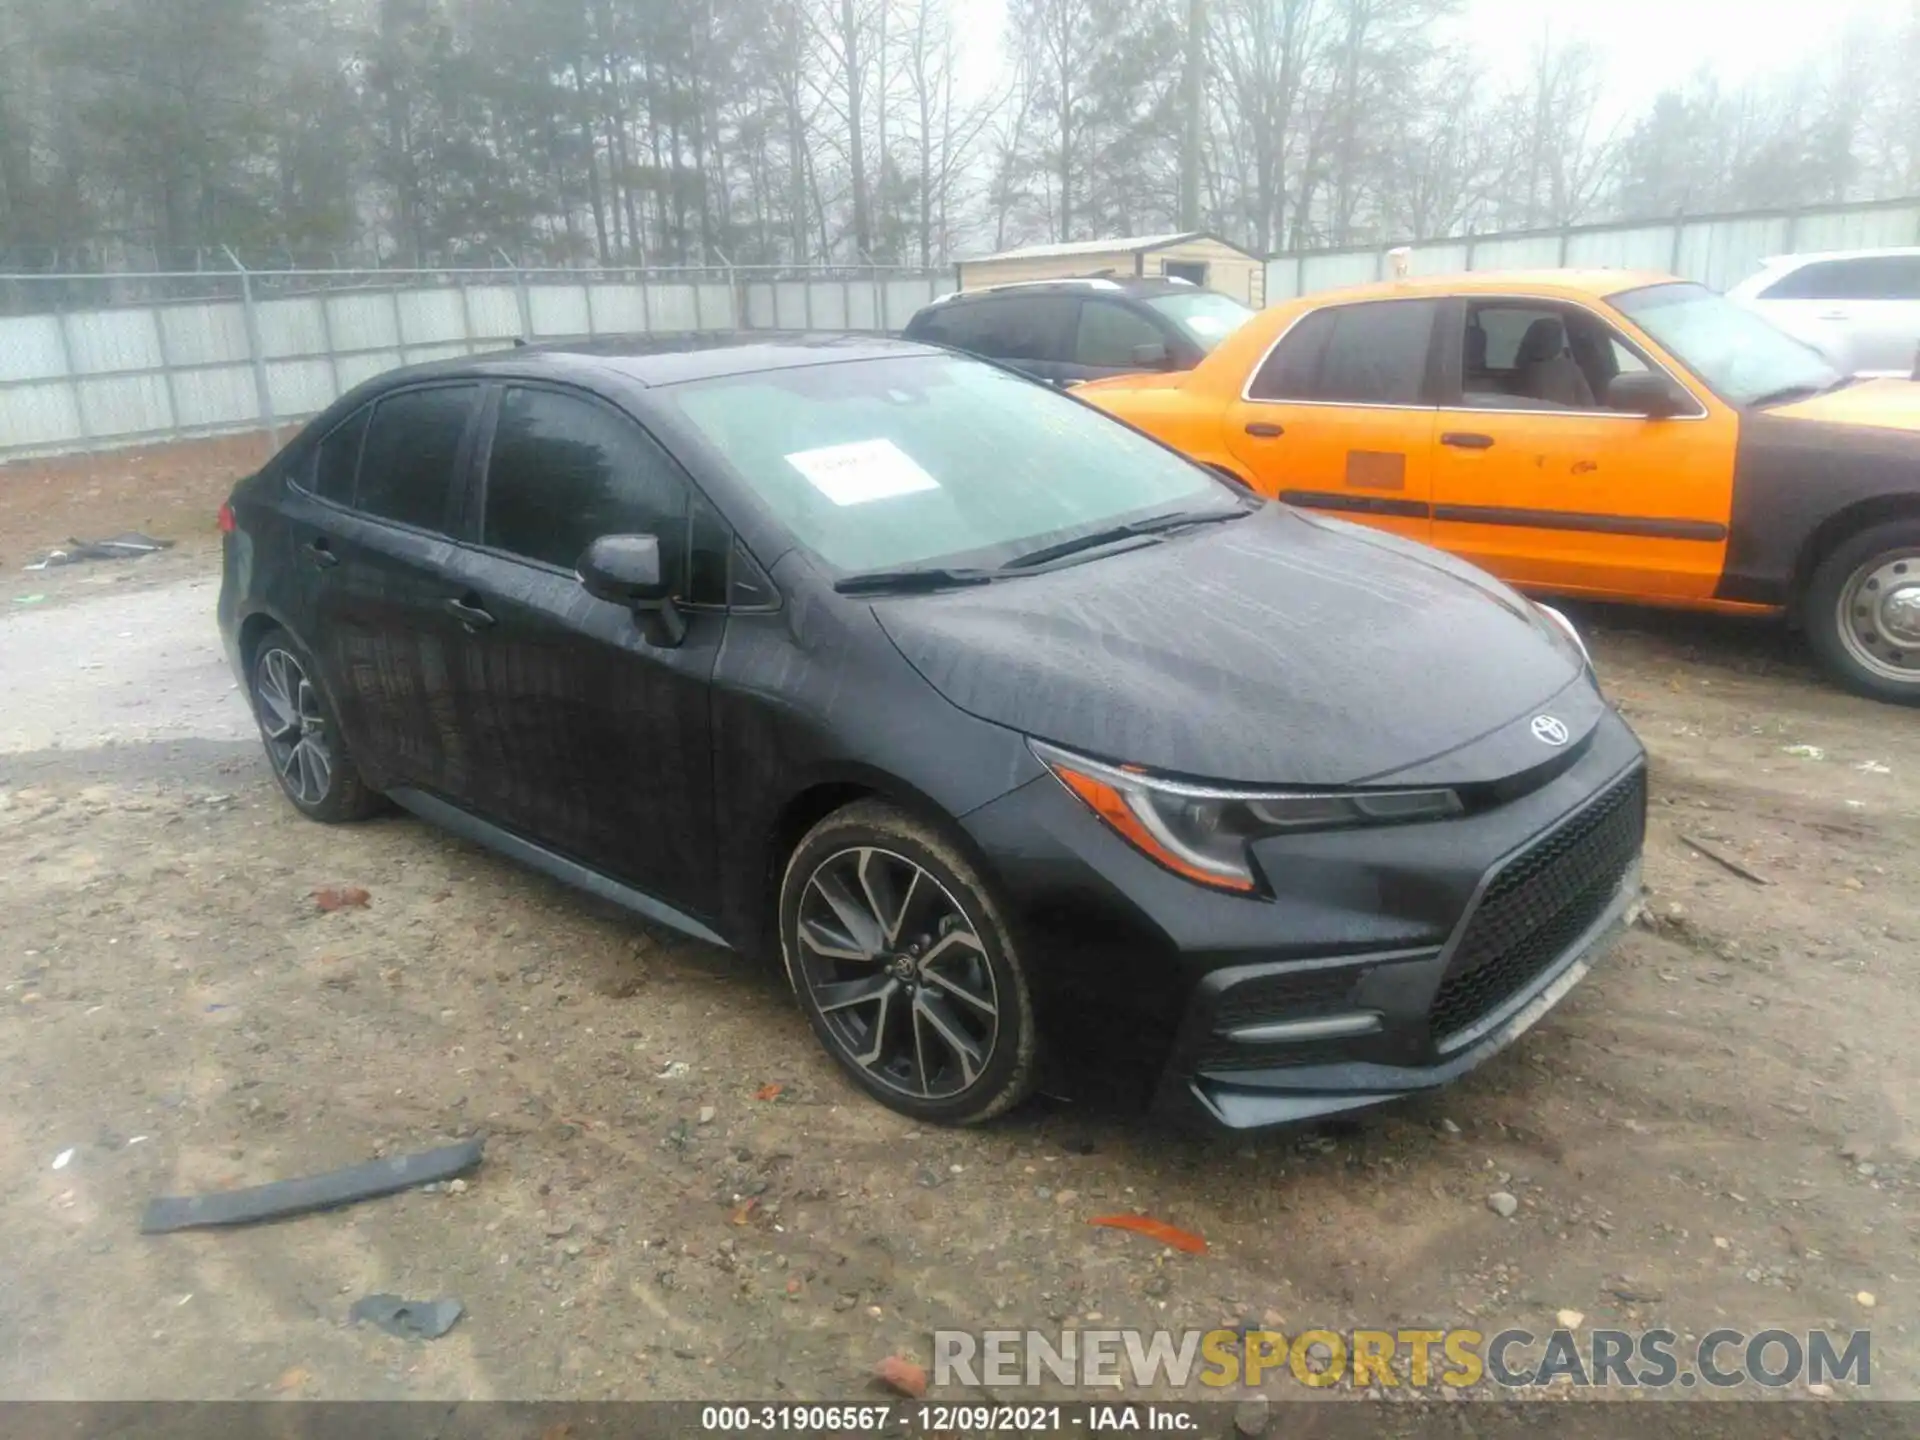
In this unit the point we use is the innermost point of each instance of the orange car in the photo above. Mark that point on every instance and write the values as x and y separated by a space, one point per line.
1601 434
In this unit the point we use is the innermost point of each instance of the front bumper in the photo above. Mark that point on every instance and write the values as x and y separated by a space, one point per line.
1386 962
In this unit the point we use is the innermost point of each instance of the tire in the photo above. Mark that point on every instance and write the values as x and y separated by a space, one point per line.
305 749
932 1016
1862 612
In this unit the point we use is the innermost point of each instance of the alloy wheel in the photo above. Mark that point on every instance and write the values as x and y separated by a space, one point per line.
898 972
293 726
1879 616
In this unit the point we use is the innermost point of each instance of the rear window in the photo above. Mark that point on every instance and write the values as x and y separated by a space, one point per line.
412 450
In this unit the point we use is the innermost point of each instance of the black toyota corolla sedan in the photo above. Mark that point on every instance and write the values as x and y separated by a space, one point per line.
1004 726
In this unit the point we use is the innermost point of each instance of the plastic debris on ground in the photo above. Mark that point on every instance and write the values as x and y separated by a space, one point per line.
408 1319
129 546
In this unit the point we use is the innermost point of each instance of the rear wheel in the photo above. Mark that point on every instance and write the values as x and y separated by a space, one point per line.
303 740
906 968
1863 612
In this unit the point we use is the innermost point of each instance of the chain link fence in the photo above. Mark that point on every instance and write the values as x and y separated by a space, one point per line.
97 361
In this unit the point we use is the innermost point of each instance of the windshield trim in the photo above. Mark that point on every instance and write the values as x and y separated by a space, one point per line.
1613 302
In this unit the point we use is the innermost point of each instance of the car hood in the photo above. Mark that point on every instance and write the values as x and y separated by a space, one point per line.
1881 404
1278 650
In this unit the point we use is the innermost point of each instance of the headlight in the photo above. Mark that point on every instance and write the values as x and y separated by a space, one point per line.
1202 832
1563 626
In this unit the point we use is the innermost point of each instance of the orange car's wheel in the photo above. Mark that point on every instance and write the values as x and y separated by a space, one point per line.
1863 612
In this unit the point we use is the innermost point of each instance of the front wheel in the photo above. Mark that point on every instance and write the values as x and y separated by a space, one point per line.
1862 612
907 971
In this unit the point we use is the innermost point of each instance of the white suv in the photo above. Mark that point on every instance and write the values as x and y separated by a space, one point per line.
1859 308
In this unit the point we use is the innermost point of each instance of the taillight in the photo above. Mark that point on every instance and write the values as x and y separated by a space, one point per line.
226 517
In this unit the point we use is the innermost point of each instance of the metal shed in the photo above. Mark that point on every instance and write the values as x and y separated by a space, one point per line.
1185 255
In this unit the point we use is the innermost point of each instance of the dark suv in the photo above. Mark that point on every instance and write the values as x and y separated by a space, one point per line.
1070 330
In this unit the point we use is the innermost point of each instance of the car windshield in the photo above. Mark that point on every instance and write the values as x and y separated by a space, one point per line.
935 459
1740 355
1206 317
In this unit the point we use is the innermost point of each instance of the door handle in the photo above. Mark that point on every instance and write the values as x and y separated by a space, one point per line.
1266 430
321 553
1834 315
1467 440
471 616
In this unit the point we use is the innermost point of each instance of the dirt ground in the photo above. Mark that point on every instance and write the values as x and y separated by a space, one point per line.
1720 1127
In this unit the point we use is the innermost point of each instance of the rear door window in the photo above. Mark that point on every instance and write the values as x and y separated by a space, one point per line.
1374 354
412 453
338 457
565 470
1292 369
1377 354
952 324
1110 333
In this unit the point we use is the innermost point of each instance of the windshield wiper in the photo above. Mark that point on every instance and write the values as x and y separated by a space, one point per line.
925 577
1114 534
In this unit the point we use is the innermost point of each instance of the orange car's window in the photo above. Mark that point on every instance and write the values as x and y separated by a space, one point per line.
1372 354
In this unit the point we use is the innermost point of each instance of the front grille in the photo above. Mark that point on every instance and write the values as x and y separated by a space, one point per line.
1539 904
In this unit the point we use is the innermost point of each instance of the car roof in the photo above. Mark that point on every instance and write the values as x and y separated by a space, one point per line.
1588 283
1123 285
1809 257
651 360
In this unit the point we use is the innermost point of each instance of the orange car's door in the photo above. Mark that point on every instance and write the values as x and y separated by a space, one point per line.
1538 481
1338 415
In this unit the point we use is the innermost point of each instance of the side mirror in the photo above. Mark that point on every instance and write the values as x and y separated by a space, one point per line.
626 570
1648 393
1152 356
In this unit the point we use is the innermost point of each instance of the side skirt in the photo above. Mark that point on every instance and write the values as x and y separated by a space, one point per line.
536 857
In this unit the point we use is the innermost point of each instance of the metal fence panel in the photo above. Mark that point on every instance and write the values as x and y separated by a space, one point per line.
430 318
30 348
1639 247
95 360
791 306
204 334
1859 229
40 417
1716 250
293 327
362 322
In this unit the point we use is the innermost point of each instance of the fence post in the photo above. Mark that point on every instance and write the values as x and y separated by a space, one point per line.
520 289
733 288
73 371
1468 266
1566 240
1679 235
262 390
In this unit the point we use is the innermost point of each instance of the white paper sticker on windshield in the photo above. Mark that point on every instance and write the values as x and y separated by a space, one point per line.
865 470
1206 325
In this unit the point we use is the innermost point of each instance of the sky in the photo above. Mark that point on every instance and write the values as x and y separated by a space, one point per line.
1650 45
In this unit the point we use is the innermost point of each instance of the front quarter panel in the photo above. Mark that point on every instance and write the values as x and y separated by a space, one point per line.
1801 482
814 695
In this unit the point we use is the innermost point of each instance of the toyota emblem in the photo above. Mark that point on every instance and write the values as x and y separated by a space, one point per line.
1549 730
